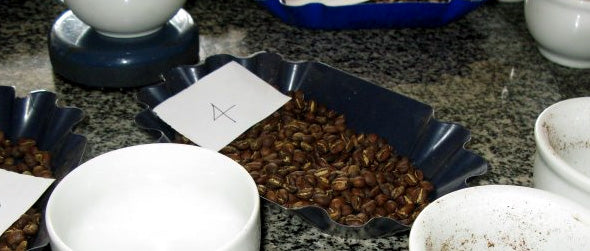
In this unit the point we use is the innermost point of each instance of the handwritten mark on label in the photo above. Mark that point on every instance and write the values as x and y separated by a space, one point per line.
222 113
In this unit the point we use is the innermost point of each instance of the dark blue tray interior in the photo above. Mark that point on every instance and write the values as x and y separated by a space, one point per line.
371 15
435 147
38 117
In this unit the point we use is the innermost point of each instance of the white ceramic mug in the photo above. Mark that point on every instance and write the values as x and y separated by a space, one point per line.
562 160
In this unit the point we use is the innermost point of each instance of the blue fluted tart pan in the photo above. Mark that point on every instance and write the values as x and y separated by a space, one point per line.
434 147
37 116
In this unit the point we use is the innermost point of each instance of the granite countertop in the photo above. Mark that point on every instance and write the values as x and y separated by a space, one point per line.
482 71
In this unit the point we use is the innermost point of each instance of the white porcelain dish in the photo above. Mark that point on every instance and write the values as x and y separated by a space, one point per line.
125 18
562 160
561 29
501 217
155 197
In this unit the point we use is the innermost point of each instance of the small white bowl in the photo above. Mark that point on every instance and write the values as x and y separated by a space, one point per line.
562 160
155 197
501 217
561 29
125 18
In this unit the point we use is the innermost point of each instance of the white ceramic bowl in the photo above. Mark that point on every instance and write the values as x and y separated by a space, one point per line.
561 29
155 197
125 18
562 160
501 217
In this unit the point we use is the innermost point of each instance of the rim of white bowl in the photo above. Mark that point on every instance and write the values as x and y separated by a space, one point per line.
556 163
252 220
461 195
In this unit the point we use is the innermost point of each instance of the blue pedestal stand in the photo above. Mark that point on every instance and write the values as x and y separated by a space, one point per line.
80 54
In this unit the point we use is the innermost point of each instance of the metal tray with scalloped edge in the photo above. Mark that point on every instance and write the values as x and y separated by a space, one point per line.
435 147
37 116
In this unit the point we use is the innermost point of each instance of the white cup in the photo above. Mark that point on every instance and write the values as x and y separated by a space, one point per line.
561 30
562 161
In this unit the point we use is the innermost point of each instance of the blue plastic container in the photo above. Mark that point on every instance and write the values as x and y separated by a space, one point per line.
371 15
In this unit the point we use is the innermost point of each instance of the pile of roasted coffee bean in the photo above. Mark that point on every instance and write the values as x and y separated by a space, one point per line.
23 157
303 154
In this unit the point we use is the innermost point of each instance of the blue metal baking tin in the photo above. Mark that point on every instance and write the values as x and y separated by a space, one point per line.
37 116
371 15
435 147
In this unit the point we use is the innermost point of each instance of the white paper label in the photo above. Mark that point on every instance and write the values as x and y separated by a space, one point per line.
220 106
18 192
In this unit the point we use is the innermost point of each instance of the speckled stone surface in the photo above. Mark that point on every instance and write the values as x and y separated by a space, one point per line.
482 71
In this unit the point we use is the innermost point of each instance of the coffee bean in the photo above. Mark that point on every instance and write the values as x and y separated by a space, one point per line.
397 192
301 203
322 198
369 207
370 179
356 202
391 206
384 153
305 193
358 182
274 181
353 220
346 209
253 166
381 199
261 189
31 229
334 213
340 184
299 156
405 211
